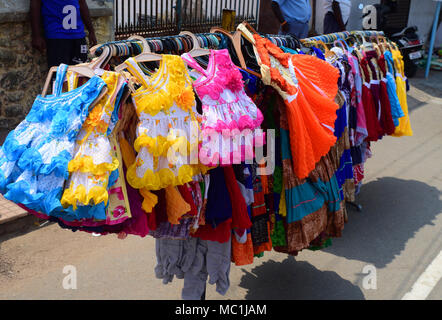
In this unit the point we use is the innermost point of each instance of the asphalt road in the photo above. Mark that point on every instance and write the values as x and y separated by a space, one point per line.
394 240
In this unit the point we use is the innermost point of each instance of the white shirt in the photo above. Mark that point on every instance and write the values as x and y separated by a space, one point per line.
345 6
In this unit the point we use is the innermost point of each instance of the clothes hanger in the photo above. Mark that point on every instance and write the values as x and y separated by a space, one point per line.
86 70
103 59
236 42
243 28
365 44
342 44
196 51
145 56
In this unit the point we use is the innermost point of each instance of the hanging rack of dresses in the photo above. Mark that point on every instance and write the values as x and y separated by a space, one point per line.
278 217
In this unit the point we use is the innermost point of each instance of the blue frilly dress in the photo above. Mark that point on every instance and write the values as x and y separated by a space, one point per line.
34 158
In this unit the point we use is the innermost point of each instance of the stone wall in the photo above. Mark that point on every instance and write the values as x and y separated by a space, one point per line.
23 70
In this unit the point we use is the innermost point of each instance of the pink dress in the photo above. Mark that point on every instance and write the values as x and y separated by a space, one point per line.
230 121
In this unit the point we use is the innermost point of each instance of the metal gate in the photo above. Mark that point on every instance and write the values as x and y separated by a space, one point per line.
167 17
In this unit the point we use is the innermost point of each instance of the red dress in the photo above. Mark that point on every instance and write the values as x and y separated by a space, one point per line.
374 128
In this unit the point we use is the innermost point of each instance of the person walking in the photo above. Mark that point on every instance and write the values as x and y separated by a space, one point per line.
337 14
63 23
294 16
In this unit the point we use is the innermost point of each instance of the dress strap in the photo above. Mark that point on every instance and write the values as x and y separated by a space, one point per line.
136 71
59 79
72 80
191 62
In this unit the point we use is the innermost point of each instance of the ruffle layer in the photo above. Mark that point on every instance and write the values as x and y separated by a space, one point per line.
58 165
31 160
244 122
12 149
86 164
164 177
94 196
160 146
47 202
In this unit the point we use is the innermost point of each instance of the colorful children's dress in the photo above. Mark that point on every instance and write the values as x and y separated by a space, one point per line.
229 115
35 156
404 127
167 132
93 159
308 86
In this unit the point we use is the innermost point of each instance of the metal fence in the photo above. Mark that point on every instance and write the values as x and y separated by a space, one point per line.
166 17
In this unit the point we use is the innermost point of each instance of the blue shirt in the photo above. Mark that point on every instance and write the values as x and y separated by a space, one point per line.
295 10
62 19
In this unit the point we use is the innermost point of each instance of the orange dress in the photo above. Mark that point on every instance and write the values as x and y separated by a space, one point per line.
308 86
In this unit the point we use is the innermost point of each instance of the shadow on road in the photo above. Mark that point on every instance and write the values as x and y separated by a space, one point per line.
293 280
393 211
414 104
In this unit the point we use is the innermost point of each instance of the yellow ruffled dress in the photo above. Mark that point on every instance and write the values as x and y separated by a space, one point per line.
94 159
168 129
404 127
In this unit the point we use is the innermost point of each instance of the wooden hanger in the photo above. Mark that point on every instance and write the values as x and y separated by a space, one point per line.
246 32
365 45
196 51
145 56
85 69
82 70
236 41
102 60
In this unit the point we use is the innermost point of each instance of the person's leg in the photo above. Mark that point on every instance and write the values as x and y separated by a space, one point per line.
281 32
79 51
304 31
299 29
58 51
330 23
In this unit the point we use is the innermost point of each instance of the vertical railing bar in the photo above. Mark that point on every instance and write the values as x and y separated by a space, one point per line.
192 18
156 14
122 17
216 12
162 14
116 17
201 14
134 18
184 12
167 14
210 13
146 24
179 8
128 16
